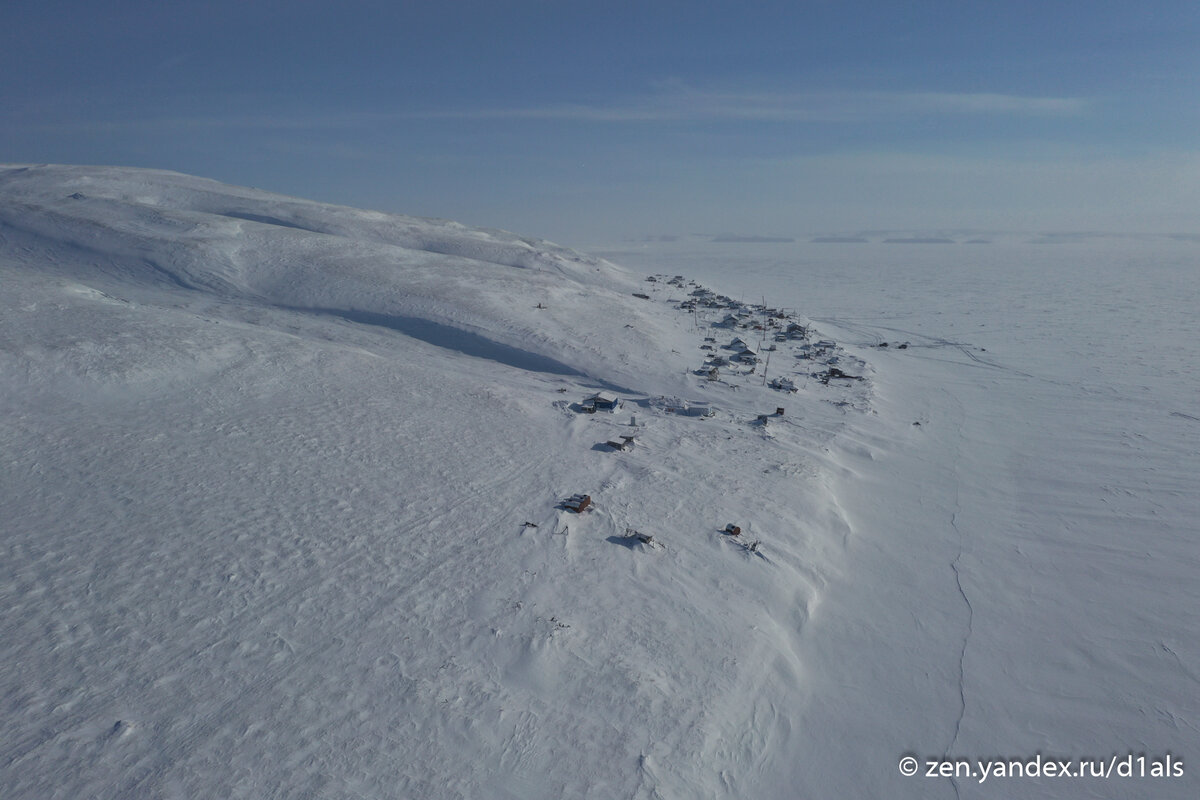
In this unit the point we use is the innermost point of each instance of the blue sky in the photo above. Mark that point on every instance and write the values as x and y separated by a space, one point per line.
588 122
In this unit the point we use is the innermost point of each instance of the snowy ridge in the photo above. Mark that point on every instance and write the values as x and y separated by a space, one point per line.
285 508
153 229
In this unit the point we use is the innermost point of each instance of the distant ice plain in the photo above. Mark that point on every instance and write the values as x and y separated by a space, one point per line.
1037 532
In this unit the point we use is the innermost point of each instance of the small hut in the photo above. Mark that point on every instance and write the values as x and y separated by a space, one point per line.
602 401
746 355
577 503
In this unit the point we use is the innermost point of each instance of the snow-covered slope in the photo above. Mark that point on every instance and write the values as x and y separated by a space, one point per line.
281 488
281 509
452 285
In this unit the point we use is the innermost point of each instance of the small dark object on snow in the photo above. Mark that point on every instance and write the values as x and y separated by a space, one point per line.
883 344
902 346
834 372
732 530
779 411
644 538
577 503
625 440
528 524
917 424
539 305
642 296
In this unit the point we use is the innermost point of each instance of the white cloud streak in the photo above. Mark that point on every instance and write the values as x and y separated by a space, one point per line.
682 103
669 102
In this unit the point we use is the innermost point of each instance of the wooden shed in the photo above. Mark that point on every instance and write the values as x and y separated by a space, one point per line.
602 401
577 502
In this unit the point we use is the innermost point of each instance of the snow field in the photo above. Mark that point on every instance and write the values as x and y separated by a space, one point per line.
266 509
1019 576
267 466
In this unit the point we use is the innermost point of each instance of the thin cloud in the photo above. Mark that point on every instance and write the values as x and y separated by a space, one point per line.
987 103
681 103
671 102
214 122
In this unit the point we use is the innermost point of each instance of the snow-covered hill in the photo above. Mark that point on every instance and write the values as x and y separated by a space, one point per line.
436 280
282 509
281 488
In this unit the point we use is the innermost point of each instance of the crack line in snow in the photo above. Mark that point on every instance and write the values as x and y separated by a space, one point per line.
963 653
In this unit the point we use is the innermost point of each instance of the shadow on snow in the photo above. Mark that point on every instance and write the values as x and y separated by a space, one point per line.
450 338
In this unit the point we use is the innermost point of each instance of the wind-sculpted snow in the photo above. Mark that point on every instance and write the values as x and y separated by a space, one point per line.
283 510
149 230
1020 571
178 194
